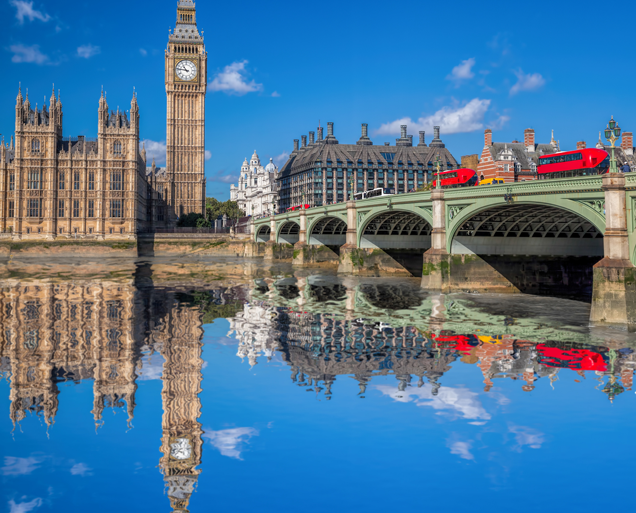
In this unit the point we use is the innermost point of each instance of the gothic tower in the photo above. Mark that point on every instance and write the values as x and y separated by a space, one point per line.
186 83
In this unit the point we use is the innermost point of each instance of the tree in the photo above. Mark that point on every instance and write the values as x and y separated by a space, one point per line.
215 208
192 220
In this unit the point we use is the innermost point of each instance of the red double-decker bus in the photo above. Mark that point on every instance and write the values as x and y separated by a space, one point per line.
298 207
457 178
586 162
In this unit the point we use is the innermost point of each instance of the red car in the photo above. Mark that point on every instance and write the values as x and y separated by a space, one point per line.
586 162
457 178
299 207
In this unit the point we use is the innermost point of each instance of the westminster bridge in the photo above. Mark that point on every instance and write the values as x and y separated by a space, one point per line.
571 236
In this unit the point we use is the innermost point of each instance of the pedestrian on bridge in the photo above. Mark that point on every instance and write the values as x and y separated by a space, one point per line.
626 168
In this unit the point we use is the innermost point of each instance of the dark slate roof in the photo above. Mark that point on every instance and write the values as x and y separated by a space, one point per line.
42 116
10 155
118 120
305 158
519 150
159 172
78 145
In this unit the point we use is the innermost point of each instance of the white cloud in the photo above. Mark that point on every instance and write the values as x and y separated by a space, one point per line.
79 469
25 9
22 53
151 367
88 51
281 159
154 150
452 120
455 401
463 71
232 80
462 449
275 95
527 82
208 155
229 441
223 177
24 507
19 466
143 51
499 123
526 436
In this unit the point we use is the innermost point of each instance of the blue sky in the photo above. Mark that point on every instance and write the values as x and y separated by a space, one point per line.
278 69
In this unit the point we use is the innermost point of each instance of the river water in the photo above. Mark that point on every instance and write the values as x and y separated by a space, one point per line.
162 385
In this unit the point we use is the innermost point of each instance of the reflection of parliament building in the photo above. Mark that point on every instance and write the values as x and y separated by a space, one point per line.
54 186
54 333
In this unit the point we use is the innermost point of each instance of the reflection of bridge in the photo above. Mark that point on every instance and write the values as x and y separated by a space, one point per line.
326 328
478 238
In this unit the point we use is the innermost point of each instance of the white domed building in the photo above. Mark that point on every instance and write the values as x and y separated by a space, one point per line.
257 192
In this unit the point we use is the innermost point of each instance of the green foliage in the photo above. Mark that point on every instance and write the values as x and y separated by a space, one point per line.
215 208
191 220
202 222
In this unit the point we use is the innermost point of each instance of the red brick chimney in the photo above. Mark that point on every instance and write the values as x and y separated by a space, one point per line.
528 138
628 143
488 137
581 145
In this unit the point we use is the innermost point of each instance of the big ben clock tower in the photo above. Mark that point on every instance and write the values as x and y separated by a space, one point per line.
186 83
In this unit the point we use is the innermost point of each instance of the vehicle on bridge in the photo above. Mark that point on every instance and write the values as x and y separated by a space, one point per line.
492 181
585 162
457 178
298 207
374 193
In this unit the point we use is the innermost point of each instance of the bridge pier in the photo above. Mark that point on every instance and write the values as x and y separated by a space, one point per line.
437 261
351 260
614 294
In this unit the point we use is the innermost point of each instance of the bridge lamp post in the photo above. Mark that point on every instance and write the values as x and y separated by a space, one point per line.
612 134
438 163
350 187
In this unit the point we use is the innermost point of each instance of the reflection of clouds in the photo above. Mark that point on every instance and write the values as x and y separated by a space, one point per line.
19 466
462 449
80 469
229 441
24 507
151 368
459 401
526 436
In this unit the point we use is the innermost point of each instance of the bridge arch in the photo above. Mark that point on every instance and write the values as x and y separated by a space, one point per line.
562 228
263 234
403 228
327 231
288 232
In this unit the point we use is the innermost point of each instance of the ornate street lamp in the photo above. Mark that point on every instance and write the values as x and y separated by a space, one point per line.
351 187
438 164
612 134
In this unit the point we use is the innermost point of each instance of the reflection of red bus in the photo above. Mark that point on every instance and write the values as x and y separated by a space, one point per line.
585 162
461 343
298 207
457 178
574 358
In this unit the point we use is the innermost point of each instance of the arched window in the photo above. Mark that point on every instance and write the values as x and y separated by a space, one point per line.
35 146
117 148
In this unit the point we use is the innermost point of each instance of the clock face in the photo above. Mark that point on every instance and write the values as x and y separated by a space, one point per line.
186 70
181 449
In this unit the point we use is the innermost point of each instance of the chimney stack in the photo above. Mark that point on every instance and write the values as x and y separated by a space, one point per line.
304 141
437 142
319 134
330 139
422 138
312 138
402 131
364 137
387 144
296 141
581 145
627 144
404 139
488 137
528 139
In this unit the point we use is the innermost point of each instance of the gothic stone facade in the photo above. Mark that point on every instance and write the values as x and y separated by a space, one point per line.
256 192
55 187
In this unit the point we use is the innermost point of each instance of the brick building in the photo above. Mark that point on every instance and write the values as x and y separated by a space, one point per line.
514 161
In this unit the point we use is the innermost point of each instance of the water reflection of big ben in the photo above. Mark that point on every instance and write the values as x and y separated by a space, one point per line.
178 338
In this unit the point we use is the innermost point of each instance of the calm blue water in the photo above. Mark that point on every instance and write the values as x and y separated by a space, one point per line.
306 394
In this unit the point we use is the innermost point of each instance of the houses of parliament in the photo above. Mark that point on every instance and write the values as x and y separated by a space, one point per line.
53 186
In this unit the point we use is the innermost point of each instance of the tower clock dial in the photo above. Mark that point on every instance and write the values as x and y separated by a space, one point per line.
186 70
181 449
